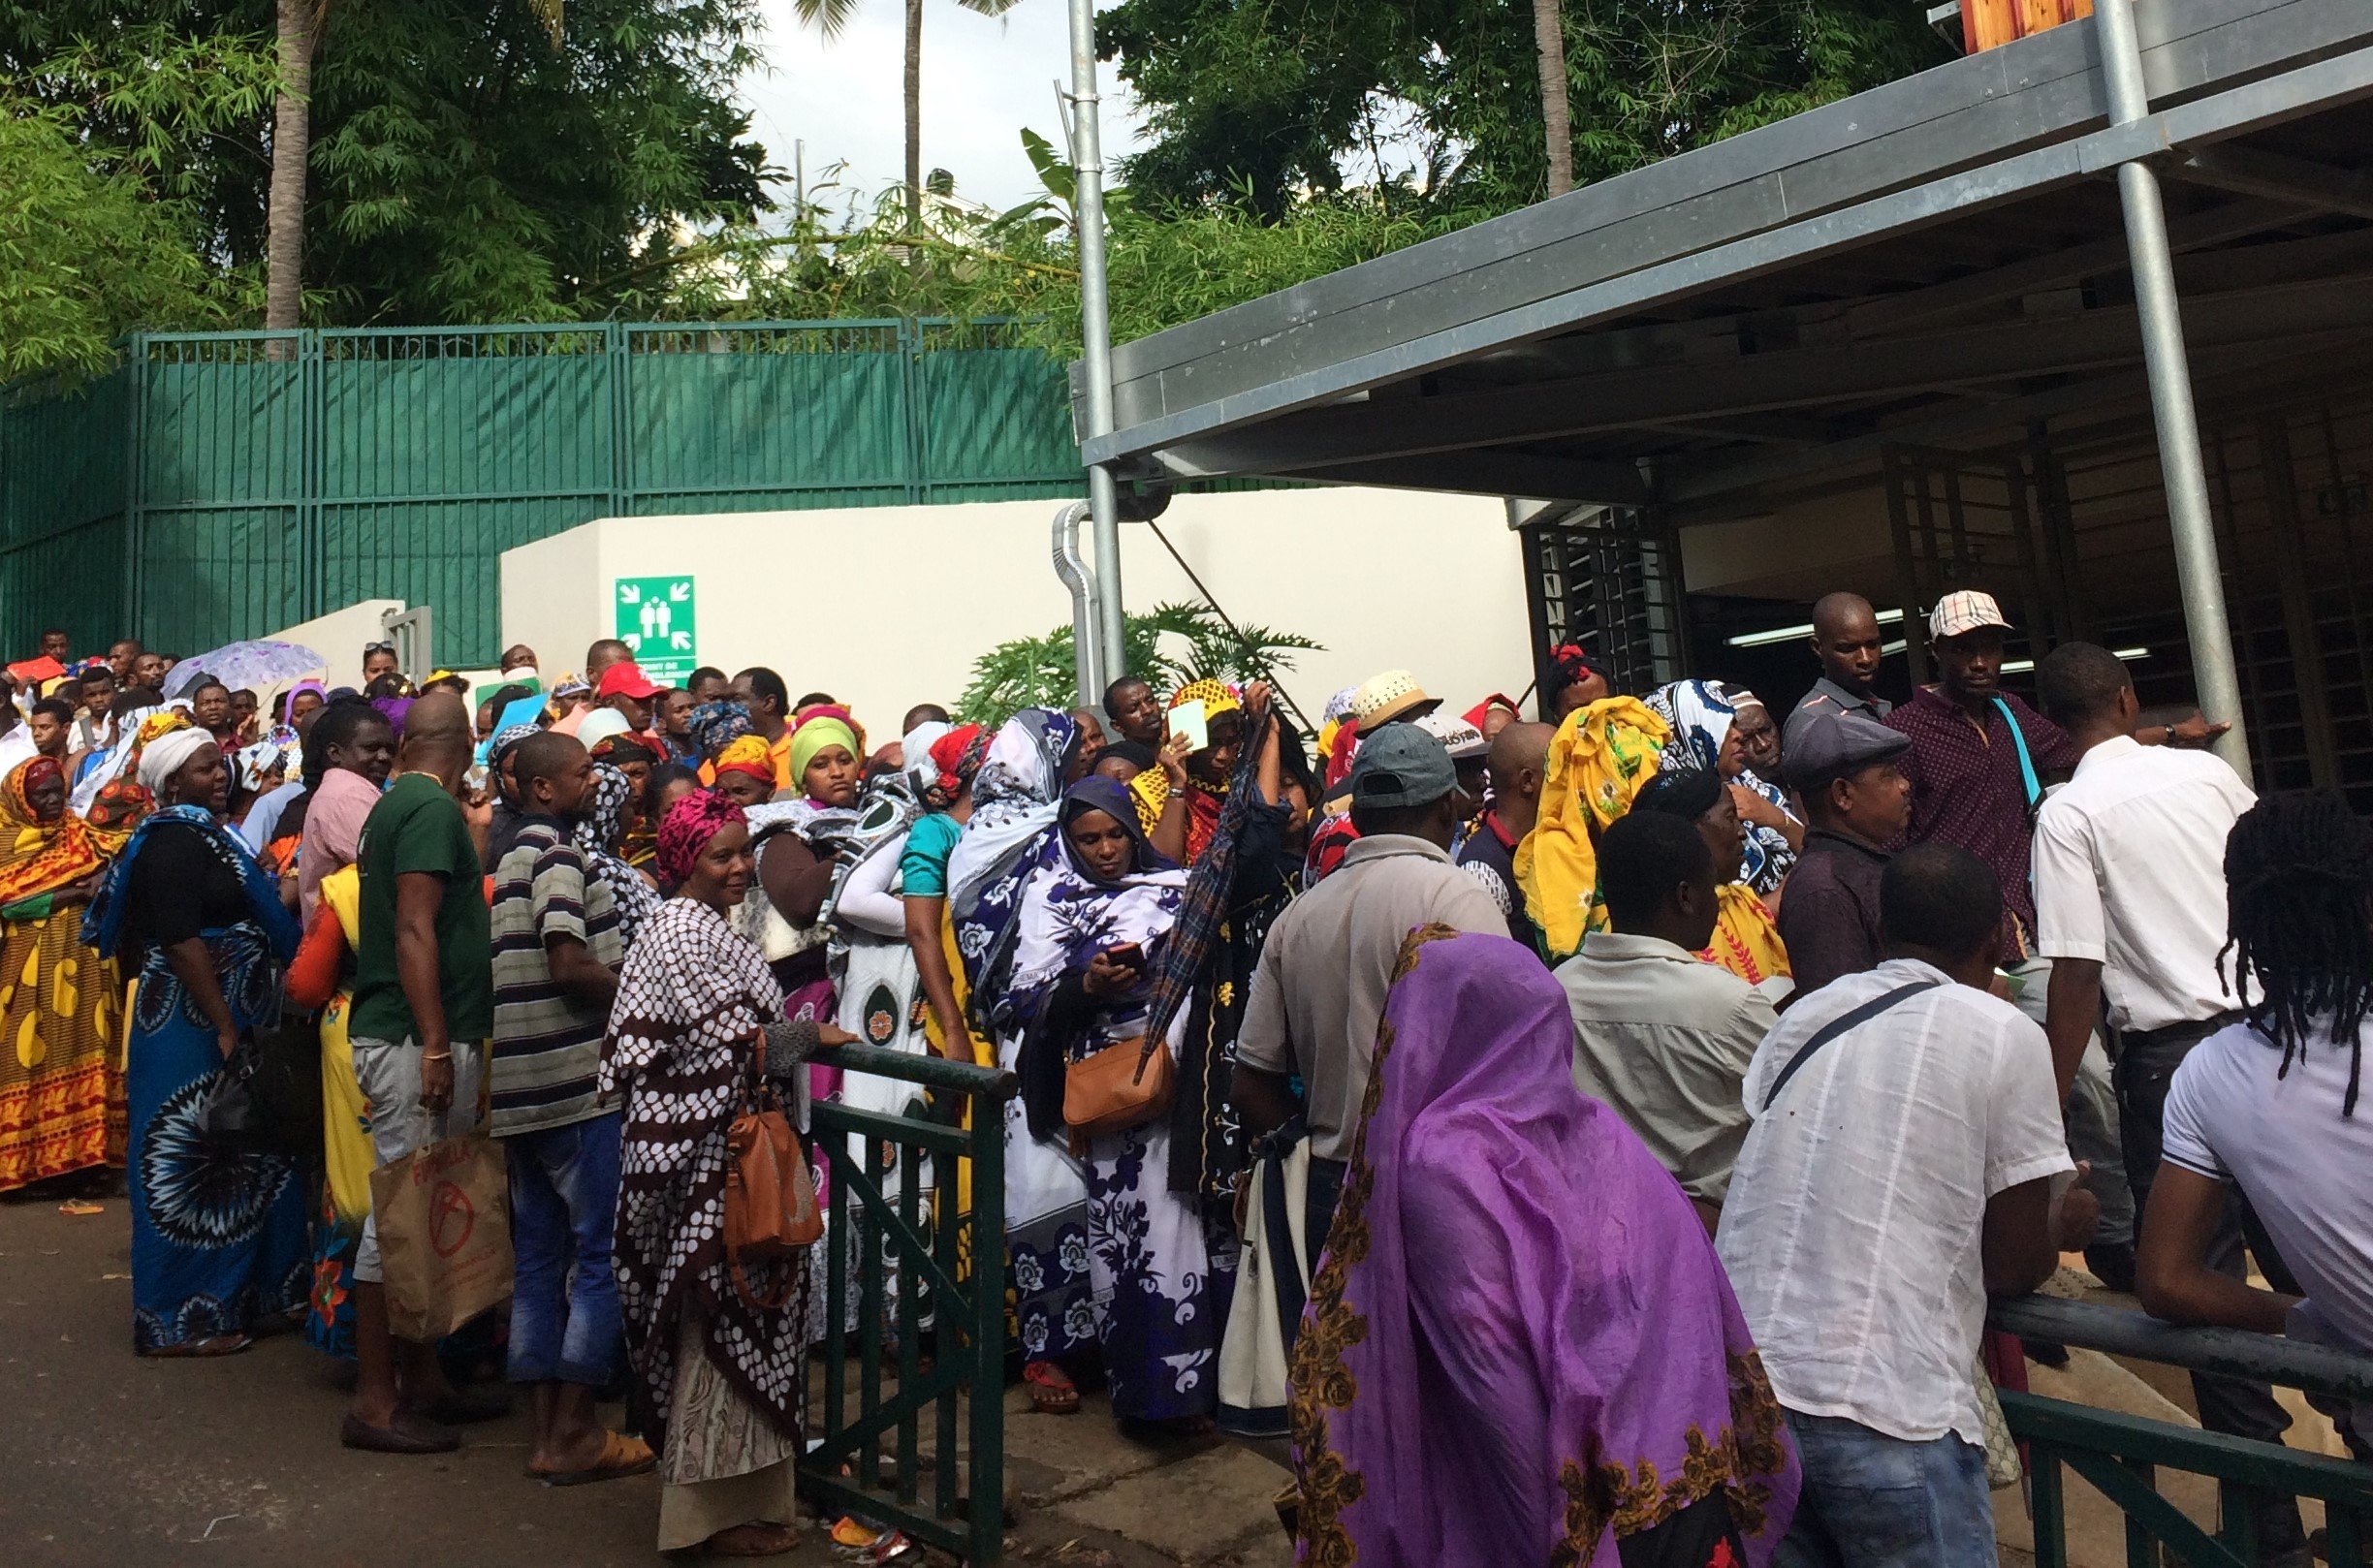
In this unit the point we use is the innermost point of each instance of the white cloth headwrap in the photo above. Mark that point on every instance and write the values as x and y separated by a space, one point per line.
168 754
915 758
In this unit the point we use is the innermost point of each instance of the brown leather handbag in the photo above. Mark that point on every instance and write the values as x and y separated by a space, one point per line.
771 1208
1125 1085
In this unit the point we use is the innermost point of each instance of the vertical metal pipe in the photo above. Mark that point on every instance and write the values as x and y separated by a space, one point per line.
1095 323
1086 644
2169 372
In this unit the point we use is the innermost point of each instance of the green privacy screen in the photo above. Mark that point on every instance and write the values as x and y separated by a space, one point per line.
217 486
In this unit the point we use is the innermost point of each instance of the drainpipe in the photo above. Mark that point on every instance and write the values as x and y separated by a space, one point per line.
2169 372
1095 325
1087 654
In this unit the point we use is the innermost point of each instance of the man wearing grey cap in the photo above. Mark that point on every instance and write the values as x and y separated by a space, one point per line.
1320 987
1846 768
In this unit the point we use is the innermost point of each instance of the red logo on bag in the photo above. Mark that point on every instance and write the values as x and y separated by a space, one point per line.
451 1219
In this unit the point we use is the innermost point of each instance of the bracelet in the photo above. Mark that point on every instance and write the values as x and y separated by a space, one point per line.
436 1057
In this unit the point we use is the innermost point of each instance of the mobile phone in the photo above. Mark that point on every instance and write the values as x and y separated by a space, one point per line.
1188 719
1128 954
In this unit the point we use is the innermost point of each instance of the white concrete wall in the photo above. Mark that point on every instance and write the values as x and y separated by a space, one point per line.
339 638
886 606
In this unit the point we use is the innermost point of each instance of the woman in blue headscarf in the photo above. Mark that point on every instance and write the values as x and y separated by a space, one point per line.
218 1236
1702 714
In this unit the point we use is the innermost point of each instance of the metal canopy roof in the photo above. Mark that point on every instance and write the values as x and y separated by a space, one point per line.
1941 256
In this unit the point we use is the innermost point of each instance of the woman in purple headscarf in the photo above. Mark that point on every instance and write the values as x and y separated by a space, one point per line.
1519 1345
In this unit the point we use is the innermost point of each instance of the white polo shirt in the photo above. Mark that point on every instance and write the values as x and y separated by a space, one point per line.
2130 872
1852 1230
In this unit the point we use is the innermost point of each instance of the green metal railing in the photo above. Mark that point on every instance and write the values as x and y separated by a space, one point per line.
936 1276
2120 1454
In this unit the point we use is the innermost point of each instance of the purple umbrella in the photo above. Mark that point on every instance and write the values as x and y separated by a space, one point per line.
251 665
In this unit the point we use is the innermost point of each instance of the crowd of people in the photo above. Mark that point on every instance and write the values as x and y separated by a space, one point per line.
1599 1128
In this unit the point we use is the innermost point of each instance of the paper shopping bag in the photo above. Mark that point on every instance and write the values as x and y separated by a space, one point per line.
444 1221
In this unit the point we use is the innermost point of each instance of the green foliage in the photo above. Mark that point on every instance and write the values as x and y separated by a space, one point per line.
1252 103
466 166
1174 644
100 231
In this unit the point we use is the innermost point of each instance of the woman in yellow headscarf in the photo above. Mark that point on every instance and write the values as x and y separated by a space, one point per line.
1599 759
61 1087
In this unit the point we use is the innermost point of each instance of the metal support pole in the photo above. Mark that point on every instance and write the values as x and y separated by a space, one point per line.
2169 372
1087 646
1095 323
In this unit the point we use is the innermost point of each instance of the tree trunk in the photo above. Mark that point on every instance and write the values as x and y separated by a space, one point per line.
1557 114
914 115
292 140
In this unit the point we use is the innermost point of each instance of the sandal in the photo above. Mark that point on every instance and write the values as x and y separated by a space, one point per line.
1050 1392
751 1540
621 1456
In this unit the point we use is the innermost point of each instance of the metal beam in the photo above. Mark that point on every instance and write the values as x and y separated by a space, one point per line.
1874 318
1499 473
1369 431
2250 172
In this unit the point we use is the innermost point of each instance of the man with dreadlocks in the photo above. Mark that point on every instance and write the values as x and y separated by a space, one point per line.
2271 1102
2130 878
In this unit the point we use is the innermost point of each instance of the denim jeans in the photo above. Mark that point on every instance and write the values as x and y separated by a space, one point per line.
1873 1501
564 1308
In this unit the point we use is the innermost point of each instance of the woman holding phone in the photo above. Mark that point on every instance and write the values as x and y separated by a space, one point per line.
1089 922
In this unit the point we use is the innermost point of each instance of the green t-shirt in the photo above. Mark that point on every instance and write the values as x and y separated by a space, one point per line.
417 826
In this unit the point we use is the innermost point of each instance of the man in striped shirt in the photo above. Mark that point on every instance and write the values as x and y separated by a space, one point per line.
557 948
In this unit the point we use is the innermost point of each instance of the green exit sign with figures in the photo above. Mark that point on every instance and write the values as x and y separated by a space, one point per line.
656 619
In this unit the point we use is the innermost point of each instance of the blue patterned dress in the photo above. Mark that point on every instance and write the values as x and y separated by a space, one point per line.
218 1236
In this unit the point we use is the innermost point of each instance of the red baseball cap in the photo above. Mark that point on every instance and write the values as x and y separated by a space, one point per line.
625 679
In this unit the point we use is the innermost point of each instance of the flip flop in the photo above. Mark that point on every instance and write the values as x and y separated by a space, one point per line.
1049 1391
622 1456
221 1344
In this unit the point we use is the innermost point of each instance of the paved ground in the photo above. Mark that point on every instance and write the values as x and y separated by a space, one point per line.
109 1459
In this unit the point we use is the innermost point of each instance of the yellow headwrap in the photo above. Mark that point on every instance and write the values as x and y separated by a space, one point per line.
1217 697
747 754
1599 760
813 736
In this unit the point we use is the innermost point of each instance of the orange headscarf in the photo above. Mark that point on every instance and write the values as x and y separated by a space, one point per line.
40 856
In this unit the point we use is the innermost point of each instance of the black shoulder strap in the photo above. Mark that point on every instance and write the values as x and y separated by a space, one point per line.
1852 1017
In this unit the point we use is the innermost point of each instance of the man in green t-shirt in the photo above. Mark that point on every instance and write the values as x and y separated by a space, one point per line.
424 1007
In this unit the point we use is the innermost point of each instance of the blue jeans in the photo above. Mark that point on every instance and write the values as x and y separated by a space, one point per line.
565 1325
1875 1501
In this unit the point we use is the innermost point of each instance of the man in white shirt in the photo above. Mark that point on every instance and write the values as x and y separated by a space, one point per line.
2130 908
2271 1103
1906 1134
1660 1036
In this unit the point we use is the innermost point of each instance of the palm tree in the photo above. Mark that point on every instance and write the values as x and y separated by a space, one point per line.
829 17
1557 115
298 26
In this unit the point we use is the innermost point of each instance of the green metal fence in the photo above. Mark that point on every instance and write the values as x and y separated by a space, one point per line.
220 485
2121 1455
915 1272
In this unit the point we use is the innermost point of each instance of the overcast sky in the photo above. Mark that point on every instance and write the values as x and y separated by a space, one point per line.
983 81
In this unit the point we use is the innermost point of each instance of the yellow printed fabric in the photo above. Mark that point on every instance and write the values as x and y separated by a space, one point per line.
61 1085
1149 793
1599 760
1745 937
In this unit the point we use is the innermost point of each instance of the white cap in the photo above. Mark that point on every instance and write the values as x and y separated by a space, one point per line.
1462 739
1966 610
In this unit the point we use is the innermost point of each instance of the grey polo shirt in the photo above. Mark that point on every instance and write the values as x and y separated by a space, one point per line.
1664 1039
1324 971
1828 692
